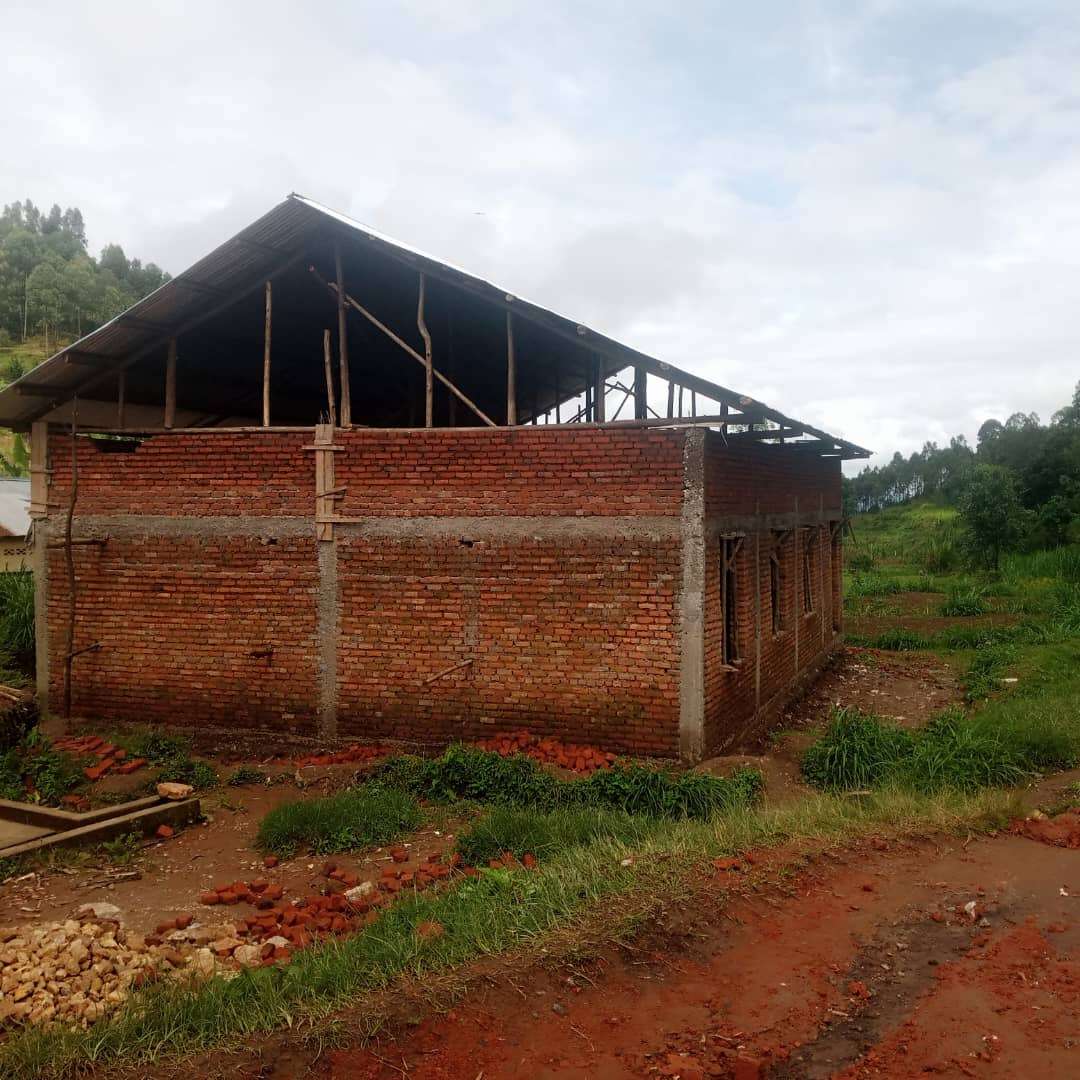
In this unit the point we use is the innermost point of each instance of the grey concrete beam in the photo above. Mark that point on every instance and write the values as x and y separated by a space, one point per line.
692 601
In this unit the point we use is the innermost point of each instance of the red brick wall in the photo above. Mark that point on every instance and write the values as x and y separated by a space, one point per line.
520 471
739 481
178 620
183 475
573 634
577 638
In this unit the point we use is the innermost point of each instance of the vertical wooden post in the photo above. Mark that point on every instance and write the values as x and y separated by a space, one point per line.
558 390
670 399
511 373
266 358
640 392
680 412
451 370
331 408
693 403
343 344
121 394
429 377
599 394
170 385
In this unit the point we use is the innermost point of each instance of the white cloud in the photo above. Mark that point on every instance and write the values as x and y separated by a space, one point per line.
863 213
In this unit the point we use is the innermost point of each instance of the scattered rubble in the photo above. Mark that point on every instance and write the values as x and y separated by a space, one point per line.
548 751
75 972
351 754
1063 830
110 758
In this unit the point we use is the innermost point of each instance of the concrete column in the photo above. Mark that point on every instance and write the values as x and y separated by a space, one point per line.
327 636
40 566
692 600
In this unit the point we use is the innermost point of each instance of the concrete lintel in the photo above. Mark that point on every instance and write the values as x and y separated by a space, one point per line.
716 524
692 601
492 527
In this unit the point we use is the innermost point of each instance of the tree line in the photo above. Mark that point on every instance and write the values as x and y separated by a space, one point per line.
51 287
1024 473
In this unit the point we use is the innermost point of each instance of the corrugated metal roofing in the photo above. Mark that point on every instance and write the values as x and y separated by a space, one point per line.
266 245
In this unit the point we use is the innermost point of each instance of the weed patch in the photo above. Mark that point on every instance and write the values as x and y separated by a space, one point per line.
544 835
464 772
351 819
966 601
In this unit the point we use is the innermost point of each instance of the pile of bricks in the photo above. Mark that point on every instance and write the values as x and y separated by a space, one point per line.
582 759
348 756
110 758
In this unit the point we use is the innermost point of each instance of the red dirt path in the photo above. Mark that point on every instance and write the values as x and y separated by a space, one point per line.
870 966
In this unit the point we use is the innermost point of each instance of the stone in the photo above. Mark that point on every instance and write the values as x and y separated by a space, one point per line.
247 955
363 891
99 910
175 792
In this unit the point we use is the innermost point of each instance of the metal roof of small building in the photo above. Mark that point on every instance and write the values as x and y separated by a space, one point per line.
14 507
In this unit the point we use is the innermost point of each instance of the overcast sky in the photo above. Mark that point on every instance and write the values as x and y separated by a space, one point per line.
865 213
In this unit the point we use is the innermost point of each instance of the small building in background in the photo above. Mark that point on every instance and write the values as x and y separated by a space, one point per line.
14 525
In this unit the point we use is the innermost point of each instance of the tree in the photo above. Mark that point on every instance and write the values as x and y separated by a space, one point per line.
992 515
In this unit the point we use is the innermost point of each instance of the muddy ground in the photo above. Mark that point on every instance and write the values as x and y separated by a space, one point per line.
955 958
949 959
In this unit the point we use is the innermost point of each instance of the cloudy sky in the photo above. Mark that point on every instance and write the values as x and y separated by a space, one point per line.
866 213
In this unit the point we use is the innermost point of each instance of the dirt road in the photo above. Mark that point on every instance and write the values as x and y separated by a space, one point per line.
948 960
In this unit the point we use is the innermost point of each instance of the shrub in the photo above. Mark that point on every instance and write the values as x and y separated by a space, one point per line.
351 819
856 751
544 834
665 793
860 559
172 754
965 601
464 772
983 675
52 773
245 774
17 617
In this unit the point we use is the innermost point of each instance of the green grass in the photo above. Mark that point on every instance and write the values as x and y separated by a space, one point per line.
467 773
593 882
17 617
544 835
349 820
965 601
1007 742
245 774
52 773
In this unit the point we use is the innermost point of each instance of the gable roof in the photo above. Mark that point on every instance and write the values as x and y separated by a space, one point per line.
278 242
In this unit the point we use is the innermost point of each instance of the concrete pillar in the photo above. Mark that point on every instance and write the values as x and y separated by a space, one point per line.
692 600
327 635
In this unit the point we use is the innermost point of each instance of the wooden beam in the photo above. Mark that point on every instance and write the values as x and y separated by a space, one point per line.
670 398
170 384
429 377
511 373
343 345
266 356
330 406
407 348
599 391
640 392
60 394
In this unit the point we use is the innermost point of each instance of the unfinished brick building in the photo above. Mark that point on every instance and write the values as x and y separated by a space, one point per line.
327 485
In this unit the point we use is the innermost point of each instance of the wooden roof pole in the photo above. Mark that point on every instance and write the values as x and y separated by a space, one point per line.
408 348
343 345
266 357
511 373
429 377
599 391
170 384
330 406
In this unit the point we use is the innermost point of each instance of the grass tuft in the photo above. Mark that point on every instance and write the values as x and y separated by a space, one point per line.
465 772
351 819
